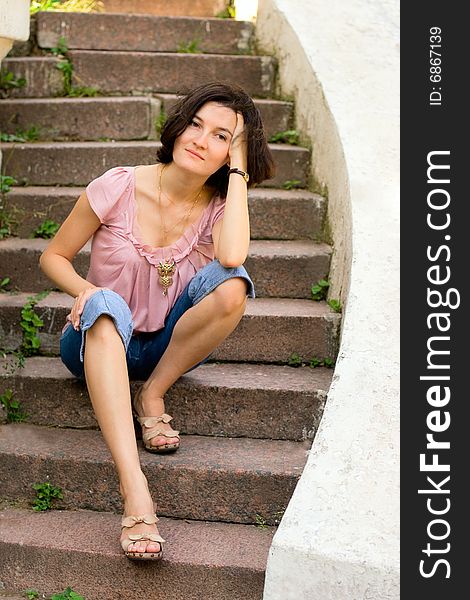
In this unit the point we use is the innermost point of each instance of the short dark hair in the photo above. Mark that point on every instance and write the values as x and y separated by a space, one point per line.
260 163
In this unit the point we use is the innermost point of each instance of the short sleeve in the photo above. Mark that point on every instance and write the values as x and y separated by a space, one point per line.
218 211
106 193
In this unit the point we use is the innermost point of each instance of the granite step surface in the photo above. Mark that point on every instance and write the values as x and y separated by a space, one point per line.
238 480
120 118
275 214
270 331
216 399
51 550
77 163
279 269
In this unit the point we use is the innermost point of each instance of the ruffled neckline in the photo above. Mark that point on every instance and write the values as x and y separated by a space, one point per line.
181 248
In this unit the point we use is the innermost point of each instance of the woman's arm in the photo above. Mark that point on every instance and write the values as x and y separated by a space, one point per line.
56 260
231 235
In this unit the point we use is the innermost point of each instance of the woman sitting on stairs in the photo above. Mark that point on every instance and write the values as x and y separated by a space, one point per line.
166 283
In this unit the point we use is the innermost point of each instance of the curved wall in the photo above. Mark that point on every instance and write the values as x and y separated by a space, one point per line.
339 537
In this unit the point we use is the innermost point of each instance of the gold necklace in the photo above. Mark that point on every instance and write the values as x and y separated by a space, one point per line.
166 268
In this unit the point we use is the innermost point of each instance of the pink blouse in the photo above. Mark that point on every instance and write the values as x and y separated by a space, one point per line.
121 262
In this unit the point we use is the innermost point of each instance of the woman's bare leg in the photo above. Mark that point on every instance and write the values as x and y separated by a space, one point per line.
108 387
196 334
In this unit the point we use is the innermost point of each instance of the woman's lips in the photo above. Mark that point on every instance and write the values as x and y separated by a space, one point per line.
194 153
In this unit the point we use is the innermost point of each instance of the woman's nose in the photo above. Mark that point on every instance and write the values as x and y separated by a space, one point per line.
201 139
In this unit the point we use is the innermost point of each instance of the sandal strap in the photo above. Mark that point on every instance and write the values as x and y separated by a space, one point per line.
153 429
151 421
132 520
143 537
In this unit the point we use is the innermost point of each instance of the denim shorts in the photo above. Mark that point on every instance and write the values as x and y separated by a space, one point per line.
143 351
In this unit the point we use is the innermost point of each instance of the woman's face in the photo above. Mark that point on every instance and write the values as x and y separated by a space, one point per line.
203 146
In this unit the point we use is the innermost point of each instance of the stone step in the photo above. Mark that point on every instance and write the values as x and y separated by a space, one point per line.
270 331
50 550
208 478
120 118
198 8
275 214
144 33
229 399
77 163
279 269
142 72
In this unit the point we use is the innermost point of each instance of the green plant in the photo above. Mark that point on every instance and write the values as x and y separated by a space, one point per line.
3 285
30 135
159 122
45 494
228 12
83 92
66 5
295 360
334 305
320 290
315 362
46 230
6 220
318 362
8 81
30 324
285 137
67 594
191 47
260 521
31 594
290 184
12 407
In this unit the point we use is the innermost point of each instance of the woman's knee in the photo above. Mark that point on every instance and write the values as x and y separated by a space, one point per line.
230 295
104 328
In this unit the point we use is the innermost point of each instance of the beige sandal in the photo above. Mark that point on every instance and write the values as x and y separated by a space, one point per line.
129 522
153 429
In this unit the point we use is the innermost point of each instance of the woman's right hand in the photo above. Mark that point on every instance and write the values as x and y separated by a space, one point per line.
79 305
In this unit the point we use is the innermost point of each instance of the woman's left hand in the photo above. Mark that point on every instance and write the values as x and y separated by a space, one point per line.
238 147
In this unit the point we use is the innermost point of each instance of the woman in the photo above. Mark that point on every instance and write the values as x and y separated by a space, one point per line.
165 285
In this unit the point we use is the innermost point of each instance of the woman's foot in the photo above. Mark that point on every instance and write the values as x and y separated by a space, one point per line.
153 406
139 504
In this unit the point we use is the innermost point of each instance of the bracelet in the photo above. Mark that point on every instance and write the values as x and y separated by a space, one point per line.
244 174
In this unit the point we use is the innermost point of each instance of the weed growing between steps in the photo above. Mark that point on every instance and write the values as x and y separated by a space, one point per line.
159 122
191 47
31 135
13 409
46 493
291 184
9 81
66 5
285 137
65 65
67 594
30 324
228 12
319 292
7 222
4 283
46 230
295 360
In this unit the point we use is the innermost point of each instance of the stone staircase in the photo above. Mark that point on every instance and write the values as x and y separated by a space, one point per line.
248 419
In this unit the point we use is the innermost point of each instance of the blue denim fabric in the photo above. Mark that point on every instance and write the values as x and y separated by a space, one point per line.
143 351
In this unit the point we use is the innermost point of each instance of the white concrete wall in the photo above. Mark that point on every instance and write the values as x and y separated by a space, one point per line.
339 61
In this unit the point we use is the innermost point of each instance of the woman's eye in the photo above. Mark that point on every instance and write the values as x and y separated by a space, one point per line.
194 123
222 137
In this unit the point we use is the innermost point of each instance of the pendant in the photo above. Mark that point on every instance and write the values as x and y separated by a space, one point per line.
166 270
